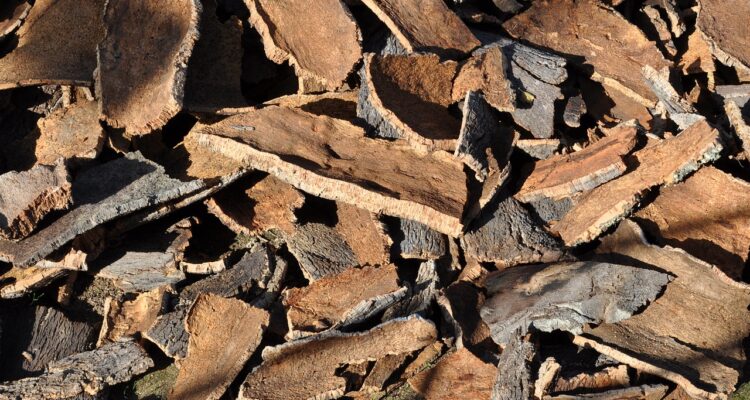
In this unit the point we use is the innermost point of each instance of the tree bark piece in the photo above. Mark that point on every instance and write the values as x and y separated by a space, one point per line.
399 91
26 197
460 375
541 149
565 175
486 72
101 194
427 26
143 96
347 298
332 159
462 301
27 280
73 133
643 392
224 333
364 234
321 251
679 110
56 45
215 68
574 28
606 378
664 163
416 240
505 233
169 334
302 33
724 28
706 215
739 124
85 373
702 315
12 15
513 380
125 317
305 368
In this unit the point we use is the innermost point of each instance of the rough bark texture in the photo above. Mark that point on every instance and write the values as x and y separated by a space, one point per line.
169 334
320 39
739 124
505 233
364 234
479 139
84 373
56 45
27 280
664 163
461 301
707 216
416 240
224 333
541 149
305 368
125 317
486 72
606 378
320 251
26 197
514 377
12 15
565 175
426 26
332 159
346 298
460 375
383 369
566 296
725 28
73 133
702 315
162 61
100 194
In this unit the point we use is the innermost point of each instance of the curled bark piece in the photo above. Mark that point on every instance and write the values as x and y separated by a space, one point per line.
143 96
565 175
398 91
101 194
415 240
426 26
73 133
302 33
505 233
566 296
724 28
702 315
320 251
486 72
12 15
224 333
349 297
56 45
85 373
332 159
26 197
664 163
306 368
460 375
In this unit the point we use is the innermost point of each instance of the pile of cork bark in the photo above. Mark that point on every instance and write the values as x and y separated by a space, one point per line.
374 199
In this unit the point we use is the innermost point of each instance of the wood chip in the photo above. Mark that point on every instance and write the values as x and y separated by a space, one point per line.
460 375
320 251
56 45
664 163
143 96
12 15
301 33
347 298
486 72
224 333
306 368
505 233
724 28
364 234
73 133
398 91
333 159
85 373
574 28
564 175
26 197
427 26
702 315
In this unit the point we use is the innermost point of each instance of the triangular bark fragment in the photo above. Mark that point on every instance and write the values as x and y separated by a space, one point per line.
487 72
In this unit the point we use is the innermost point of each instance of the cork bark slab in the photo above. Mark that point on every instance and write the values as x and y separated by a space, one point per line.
364 234
224 333
707 216
56 45
460 304
514 375
574 28
27 196
12 15
487 72
85 373
425 26
26 280
332 159
169 334
144 93
565 296
416 240
607 377
724 27
306 368
460 375
349 297
664 163
320 251
320 39
702 315
125 317
397 94
565 175
73 133
101 194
